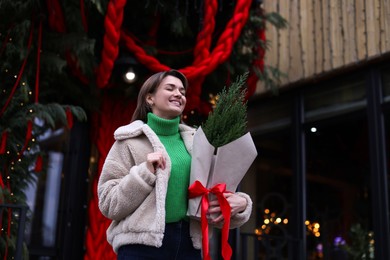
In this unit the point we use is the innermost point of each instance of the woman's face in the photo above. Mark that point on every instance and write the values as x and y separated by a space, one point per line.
169 99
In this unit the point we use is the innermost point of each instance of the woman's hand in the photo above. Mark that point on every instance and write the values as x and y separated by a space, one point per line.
236 202
154 161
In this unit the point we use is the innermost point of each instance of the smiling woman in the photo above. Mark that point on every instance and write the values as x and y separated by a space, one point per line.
169 99
143 186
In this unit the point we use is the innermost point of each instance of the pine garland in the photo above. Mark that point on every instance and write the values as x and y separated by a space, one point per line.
228 121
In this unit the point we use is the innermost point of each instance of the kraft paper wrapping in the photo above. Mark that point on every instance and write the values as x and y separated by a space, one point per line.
229 165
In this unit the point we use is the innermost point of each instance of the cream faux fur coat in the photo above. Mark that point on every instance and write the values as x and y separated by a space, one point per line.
133 197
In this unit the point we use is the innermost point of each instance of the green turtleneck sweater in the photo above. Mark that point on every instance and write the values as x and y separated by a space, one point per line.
168 132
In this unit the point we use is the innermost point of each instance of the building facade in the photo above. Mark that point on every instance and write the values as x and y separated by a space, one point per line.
320 182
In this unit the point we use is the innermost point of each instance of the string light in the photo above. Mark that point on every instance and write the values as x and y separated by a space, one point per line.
271 219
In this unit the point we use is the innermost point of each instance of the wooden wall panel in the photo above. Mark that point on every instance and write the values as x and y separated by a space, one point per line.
272 54
284 43
325 35
336 47
308 42
349 21
318 36
372 21
295 71
361 34
385 16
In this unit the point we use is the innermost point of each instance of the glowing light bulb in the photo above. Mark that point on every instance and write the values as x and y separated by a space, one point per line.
130 76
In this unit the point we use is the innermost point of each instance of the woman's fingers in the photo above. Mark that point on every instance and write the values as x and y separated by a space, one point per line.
155 160
236 202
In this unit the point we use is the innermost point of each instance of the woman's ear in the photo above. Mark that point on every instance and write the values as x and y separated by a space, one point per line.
149 99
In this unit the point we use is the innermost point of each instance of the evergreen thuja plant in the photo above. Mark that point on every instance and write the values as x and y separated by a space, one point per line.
228 120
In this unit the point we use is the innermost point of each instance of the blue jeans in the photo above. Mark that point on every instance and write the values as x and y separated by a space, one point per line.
176 244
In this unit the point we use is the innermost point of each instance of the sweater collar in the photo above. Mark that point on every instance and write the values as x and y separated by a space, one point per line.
163 126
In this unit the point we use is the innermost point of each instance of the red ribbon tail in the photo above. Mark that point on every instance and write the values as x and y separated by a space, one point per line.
28 137
38 164
205 227
225 208
1 182
69 118
3 144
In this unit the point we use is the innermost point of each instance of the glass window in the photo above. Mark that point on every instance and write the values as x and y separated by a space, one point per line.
43 197
269 237
335 97
386 83
269 115
338 190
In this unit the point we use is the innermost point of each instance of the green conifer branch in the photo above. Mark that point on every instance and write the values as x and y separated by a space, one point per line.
228 120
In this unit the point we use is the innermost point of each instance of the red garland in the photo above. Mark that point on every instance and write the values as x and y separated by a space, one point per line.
112 24
197 190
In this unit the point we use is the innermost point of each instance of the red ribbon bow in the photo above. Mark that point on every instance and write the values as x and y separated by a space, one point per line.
196 190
